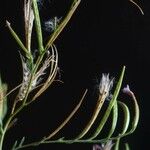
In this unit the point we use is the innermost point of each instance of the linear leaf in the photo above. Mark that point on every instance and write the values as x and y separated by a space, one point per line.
21 142
62 24
68 118
38 25
135 120
126 117
117 144
110 106
114 120
28 55
14 146
127 146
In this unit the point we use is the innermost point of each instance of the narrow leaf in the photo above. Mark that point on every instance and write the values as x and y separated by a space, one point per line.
62 24
38 25
15 144
110 106
135 120
126 117
114 120
28 55
21 142
136 115
97 109
127 146
117 144
68 118
140 9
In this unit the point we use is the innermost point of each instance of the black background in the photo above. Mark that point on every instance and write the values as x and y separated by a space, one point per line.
101 37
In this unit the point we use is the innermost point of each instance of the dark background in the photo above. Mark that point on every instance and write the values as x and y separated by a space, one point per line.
101 37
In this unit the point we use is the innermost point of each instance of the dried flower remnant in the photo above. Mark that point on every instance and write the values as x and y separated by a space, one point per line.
49 58
107 146
104 89
105 84
26 77
127 90
28 20
36 79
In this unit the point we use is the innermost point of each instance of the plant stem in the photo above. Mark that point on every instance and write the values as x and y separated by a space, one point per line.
1 140
3 132
38 26
7 124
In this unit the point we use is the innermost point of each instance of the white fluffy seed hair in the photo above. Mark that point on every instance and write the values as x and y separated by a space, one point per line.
51 24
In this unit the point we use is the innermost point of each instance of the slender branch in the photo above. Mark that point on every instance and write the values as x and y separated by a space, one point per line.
68 118
38 26
11 91
46 139
94 116
62 24
140 9
28 54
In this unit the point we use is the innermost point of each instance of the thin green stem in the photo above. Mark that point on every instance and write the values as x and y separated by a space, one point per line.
28 54
114 120
59 141
7 124
68 118
38 26
24 101
1 140
127 146
117 144
62 24
22 106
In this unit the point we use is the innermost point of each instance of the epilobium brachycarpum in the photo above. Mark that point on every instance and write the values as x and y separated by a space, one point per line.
39 72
